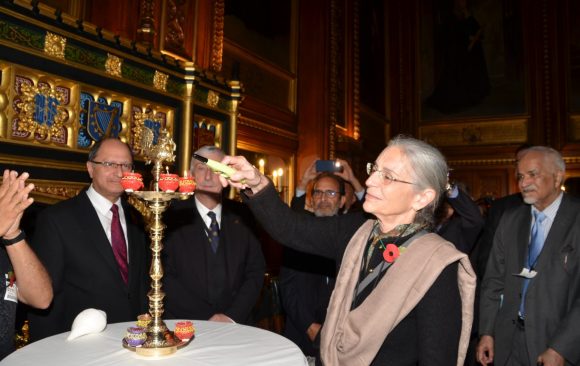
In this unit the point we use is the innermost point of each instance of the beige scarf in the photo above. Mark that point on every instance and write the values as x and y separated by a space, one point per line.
354 337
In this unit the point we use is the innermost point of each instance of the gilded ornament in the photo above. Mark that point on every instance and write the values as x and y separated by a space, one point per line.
54 45
160 80
113 65
213 98
41 111
150 138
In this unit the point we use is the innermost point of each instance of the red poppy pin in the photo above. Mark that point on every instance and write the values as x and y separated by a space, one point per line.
391 253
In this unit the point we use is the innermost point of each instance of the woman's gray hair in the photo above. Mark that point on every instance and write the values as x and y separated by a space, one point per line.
429 170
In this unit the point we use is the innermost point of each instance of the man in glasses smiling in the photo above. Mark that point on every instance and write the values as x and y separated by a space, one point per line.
94 247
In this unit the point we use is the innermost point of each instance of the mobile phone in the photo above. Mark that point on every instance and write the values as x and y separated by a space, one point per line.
216 166
328 166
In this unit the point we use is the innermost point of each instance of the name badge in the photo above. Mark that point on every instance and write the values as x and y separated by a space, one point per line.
11 293
526 273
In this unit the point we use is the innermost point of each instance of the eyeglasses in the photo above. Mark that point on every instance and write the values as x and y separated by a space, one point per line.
387 177
328 193
109 165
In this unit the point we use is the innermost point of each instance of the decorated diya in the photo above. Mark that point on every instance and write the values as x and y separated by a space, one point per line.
186 184
184 330
135 336
168 182
132 181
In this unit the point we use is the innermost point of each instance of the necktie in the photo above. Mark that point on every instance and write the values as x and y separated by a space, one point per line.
536 245
119 244
214 232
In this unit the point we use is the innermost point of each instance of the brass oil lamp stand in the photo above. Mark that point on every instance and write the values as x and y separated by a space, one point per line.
151 204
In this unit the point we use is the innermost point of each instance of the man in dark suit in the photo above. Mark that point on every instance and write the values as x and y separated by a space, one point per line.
307 280
214 267
93 262
461 220
530 299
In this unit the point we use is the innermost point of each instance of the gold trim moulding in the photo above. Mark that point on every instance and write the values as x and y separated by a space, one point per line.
476 133
155 196
42 163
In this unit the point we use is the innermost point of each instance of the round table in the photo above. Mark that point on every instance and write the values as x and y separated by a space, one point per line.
214 344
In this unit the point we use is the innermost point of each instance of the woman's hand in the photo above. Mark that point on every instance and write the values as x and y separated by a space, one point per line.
13 201
246 176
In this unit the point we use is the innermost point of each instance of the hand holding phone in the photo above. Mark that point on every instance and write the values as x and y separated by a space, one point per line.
217 167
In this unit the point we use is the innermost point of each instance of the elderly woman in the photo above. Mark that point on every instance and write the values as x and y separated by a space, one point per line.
403 296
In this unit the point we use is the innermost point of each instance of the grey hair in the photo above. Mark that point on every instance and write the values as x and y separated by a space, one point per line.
553 155
205 150
429 170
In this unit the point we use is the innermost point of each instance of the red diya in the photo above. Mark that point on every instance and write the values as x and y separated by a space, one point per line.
168 182
184 330
186 184
132 181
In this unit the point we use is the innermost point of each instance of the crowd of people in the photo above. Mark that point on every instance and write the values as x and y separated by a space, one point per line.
403 270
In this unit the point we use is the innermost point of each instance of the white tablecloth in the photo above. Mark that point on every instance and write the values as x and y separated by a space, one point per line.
214 344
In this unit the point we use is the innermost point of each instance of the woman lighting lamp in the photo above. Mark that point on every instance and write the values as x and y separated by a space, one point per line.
403 295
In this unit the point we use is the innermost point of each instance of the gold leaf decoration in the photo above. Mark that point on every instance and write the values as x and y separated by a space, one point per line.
113 65
54 45
160 80
45 103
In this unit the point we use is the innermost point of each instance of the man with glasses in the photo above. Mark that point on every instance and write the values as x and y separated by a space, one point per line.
307 280
94 248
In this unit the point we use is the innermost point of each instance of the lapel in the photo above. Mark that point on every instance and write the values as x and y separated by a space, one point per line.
228 233
196 246
523 236
95 234
555 241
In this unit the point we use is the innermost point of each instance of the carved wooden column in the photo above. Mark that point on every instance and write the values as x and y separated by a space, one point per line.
146 29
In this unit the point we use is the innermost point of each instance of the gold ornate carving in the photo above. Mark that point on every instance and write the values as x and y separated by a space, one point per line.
217 45
54 45
476 133
146 30
49 191
113 65
213 98
175 36
144 136
160 80
51 110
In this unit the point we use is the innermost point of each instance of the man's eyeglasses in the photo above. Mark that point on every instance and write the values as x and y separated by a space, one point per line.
328 193
109 165
387 177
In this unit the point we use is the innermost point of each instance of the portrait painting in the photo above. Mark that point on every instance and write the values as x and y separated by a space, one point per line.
471 55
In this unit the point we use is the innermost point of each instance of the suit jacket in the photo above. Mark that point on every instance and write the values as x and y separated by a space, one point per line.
464 226
187 272
480 253
553 295
71 242
306 283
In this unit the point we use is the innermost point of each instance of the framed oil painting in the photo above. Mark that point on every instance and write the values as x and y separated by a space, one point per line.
471 54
